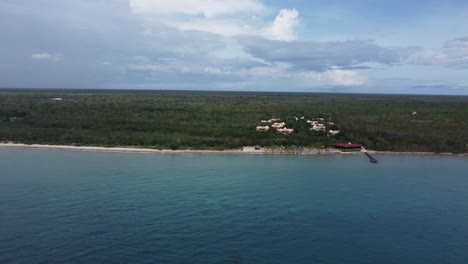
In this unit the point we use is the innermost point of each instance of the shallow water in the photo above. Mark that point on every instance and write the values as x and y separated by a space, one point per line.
87 207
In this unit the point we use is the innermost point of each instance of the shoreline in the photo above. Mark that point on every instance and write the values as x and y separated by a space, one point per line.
245 150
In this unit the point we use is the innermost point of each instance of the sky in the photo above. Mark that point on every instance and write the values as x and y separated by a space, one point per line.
352 46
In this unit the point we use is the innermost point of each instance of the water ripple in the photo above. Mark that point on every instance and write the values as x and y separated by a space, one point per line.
63 207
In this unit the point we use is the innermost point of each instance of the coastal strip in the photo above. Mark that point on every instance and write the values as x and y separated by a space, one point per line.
245 150
119 149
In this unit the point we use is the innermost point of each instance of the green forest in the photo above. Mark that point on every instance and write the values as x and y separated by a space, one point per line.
227 120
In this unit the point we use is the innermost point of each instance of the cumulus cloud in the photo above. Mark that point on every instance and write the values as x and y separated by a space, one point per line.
283 28
208 8
320 56
46 56
223 17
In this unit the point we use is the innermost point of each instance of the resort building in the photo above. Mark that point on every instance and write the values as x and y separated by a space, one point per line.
318 127
278 125
285 130
263 128
270 120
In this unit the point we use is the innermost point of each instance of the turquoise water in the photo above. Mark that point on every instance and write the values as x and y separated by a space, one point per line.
85 207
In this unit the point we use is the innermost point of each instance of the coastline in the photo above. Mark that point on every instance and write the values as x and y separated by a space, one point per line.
245 150
118 149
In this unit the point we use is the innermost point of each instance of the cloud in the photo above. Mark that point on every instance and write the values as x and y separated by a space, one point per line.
215 67
207 8
223 27
335 77
46 56
99 41
453 54
320 56
283 28
223 17
152 68
210 44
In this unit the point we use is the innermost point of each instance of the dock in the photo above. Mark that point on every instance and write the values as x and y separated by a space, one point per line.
371 159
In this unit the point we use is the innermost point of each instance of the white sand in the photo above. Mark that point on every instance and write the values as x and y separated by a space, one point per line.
123 149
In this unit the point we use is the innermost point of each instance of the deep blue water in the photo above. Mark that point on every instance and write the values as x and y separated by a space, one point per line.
85 207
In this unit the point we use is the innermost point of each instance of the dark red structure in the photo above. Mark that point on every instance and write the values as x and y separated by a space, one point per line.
348 146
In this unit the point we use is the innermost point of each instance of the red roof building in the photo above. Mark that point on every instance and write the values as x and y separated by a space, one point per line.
348 146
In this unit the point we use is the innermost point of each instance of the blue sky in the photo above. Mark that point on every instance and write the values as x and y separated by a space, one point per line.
362 46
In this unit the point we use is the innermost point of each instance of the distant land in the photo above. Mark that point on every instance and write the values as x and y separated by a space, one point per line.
202 120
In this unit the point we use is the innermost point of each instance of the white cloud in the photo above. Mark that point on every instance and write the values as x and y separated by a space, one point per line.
223 27
334 77
212 70
46 56
223 17
208 8
150 68
160 68
454 53
283 28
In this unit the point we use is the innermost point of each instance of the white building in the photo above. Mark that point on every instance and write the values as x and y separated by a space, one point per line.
278 125
262 128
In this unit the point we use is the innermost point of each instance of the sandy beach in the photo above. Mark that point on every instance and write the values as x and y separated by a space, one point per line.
245 150
120 149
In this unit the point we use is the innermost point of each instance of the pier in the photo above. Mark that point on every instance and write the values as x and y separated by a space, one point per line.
371 159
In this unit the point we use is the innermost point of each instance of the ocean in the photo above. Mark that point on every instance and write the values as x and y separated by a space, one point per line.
90 207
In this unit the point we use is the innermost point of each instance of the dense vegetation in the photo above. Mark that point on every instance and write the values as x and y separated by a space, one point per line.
222 120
